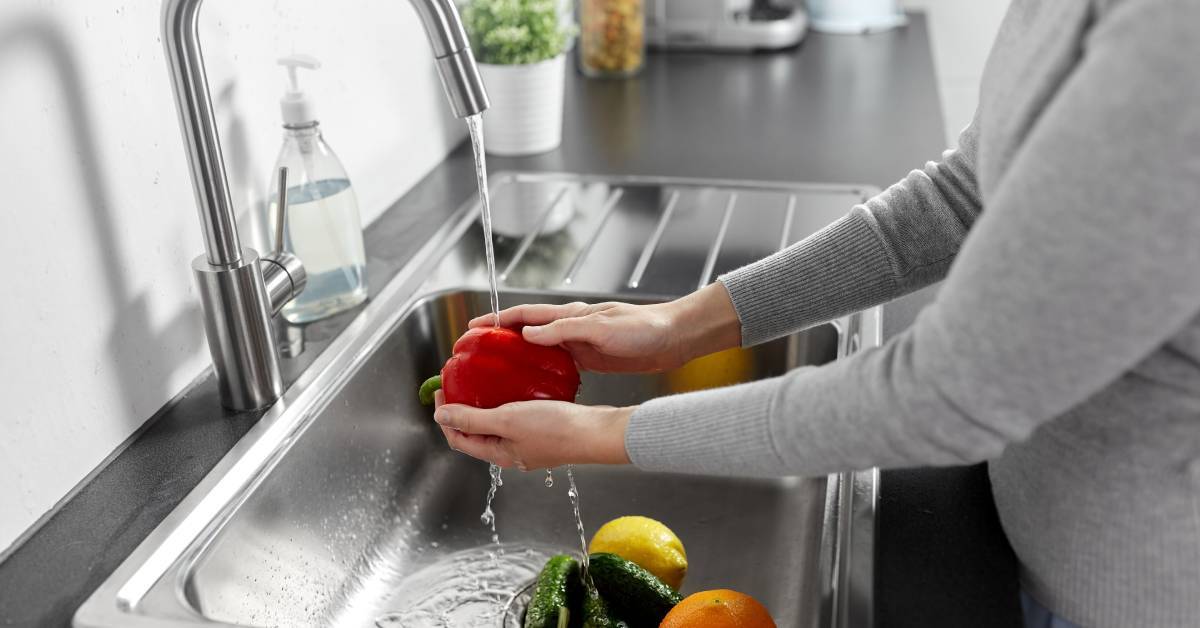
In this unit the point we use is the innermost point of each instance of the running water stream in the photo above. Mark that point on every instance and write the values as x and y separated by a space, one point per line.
489 516
573 493
475 127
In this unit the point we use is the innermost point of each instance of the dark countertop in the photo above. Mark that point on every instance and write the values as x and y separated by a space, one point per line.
838 109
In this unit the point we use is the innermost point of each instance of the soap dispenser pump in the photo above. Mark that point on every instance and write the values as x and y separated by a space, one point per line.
323 227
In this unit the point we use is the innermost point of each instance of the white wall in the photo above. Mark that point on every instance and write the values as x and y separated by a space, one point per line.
962 33
99 325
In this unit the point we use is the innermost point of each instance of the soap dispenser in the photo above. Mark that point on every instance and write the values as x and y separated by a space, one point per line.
322 226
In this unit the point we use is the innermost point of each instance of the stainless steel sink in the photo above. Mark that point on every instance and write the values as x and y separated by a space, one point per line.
346 488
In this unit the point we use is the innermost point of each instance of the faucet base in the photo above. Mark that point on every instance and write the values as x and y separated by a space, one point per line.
238 326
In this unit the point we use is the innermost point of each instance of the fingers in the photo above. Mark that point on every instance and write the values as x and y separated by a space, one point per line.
439 399
531 314
562 330
471 420
488 448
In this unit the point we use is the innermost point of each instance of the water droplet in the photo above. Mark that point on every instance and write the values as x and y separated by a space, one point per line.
549 478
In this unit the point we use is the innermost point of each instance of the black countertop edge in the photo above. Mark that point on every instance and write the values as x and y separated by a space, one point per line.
847 109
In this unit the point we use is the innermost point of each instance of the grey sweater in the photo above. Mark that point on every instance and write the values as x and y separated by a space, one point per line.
1064 345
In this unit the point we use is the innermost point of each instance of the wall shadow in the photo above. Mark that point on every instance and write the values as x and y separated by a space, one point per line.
246 186
133 340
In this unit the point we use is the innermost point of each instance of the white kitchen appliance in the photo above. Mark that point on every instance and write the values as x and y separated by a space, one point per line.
736 25
855 16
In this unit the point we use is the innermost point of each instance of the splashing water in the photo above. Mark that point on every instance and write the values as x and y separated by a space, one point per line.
475 125
549 478
473 587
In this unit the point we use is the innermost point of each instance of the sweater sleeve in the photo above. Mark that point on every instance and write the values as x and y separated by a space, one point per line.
1084 263
901 240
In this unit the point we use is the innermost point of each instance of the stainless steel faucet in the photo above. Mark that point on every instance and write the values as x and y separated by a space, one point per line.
238 290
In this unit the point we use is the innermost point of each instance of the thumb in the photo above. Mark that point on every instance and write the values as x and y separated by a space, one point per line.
559 331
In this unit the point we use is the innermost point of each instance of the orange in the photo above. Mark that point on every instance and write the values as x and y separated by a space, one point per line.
719 608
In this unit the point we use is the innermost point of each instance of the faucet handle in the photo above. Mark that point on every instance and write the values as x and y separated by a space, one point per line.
280 209
283 272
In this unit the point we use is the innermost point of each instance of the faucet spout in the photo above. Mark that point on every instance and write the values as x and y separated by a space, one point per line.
237 302
452 54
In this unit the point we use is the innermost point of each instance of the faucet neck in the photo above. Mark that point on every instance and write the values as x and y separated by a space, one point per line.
181 39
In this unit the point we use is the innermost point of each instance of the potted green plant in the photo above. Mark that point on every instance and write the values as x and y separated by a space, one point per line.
520 46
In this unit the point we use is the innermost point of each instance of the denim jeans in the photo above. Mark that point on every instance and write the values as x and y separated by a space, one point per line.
1038 616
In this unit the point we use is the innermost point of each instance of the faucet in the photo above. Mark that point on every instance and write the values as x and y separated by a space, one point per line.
239 291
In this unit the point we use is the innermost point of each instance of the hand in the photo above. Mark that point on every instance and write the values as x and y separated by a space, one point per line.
624 338
536 434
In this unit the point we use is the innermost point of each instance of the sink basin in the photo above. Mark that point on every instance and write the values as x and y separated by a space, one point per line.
345 493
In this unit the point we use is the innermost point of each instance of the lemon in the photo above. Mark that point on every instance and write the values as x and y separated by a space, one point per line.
649 543
724 368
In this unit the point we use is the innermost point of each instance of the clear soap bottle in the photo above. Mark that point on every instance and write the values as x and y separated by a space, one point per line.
322 227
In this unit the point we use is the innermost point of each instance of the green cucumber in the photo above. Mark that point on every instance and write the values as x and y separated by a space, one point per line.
596 613
636 595
428 387
556 592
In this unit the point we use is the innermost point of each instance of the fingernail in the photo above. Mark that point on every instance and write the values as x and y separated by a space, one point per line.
441 416
533 330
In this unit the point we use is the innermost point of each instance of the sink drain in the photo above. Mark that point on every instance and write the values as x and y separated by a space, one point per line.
514 611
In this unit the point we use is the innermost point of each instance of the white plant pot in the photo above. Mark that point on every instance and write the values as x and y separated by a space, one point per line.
519 208
855 16
526 112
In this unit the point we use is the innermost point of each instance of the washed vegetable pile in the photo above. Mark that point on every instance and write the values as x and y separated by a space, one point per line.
636 566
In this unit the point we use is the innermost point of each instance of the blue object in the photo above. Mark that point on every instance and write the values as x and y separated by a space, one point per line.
1038 616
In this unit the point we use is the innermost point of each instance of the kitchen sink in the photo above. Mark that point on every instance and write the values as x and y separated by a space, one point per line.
345 492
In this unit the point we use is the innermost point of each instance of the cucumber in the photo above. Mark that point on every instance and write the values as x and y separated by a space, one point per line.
556 592
636 595
428 387
596 613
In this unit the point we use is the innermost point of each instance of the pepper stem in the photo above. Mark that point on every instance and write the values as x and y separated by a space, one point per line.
428 387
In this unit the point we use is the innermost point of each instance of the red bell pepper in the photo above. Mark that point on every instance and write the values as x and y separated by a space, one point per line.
492 366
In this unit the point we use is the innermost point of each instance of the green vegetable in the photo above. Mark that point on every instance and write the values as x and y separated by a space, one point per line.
556 592
634 594
428 387
515 32
596 613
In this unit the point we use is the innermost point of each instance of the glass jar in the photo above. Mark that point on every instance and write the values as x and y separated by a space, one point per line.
612 38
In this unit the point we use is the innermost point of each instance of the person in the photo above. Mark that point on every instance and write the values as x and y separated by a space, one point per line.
1063 346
